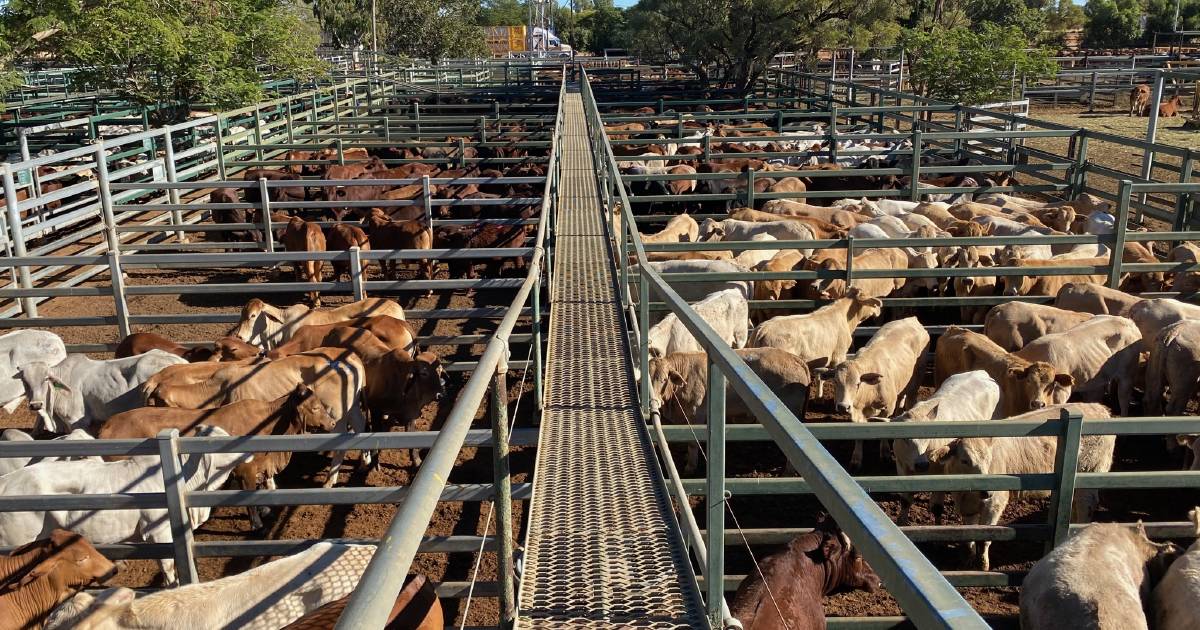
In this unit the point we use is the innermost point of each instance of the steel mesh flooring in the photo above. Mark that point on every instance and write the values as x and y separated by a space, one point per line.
602 548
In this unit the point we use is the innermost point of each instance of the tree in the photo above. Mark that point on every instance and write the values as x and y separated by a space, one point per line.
1112 23
1160 16
161 50
735 40
972 66
605 28
348 22
1031 20
433 29
1066 16
503 13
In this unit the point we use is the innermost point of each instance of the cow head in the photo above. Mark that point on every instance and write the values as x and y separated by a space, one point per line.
918 453
1034 386
103 611
311 414
56 404
711 230
421 381
850 384
845 568
830 288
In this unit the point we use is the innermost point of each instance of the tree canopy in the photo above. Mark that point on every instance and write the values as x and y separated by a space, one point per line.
1112 23
433 29
347 22
161 50
970 65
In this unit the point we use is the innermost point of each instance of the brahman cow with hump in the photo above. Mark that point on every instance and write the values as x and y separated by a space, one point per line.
694 291
968 396
821 338
142 474
787 593
18 349
298 412
142 342
1096 299
1099 579
1024 385
266 597
1024 455
336 377
1153 315
680 229
81 390
393 333
1096 353
727 312
1013 324
267 326
679 382
883 376
9 464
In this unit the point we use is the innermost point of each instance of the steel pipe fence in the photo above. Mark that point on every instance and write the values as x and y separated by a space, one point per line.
921 590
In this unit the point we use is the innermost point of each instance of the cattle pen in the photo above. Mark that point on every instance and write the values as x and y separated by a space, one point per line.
614 532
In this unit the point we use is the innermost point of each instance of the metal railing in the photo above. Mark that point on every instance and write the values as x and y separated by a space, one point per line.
923 593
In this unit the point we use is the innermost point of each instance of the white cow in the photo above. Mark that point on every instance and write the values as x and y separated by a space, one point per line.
137 474
266 597
1153 315
752 257
692 290
18 349
727 312
735 230
968 396
1096 353
81 390
1099 579
9 464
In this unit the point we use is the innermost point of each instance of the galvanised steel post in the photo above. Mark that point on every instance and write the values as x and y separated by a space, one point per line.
714 496
1118 246
17 235
502 482
258 139
750 188
172 193
120 306
427 200
268 234
174 484
1080 183
1183 200
356 274
644 335
106 203
833 145
958 121
1066 461
1151 131
1092 95
914 193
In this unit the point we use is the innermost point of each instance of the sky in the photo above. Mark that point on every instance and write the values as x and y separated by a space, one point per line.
624 3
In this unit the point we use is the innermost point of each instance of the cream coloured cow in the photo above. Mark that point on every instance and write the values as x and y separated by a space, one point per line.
267 326
1097 353
1024 385
1013 324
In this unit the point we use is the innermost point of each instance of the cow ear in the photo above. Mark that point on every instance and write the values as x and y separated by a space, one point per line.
676 378
1066 380
1185 439
871 378
272 316
830 545
58 383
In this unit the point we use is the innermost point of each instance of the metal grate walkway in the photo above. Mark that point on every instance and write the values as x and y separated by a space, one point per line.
602 549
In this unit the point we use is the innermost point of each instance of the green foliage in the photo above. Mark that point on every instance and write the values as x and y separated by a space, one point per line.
159 50
1112 23
433 29
735 40
503 13
1064 17
1160 16
604 27
972 66
348 22
1029 20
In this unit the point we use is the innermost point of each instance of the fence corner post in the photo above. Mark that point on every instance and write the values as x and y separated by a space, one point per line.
1066 461
357 273
174 486
714 496
118 290
502 499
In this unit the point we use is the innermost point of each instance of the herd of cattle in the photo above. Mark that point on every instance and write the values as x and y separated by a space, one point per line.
1094 349
281 371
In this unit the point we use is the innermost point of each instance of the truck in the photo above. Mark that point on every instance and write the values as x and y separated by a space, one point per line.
505 41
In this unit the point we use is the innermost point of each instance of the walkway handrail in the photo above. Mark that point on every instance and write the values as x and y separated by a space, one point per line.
384 577
921 590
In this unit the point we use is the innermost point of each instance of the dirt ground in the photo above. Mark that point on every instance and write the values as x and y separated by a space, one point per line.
307 470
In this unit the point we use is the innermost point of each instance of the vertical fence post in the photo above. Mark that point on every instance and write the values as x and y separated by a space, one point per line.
958 121
537 340
17 235
914 193
1066 461
502 484
1080 180
1151 131
172 193
644 334
265 204
750 188
258 139
1182 200
1118 246
105 194
833 142
291 132
356 274
1092 95
177 506
220 148
714 503
427 200
121 307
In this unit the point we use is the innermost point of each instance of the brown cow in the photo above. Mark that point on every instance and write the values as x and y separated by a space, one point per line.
1139 100
1024 385
286 193
1170 108
341 237
19 561
142 342
234 215
483 235
385 233
1048 285
417 608
301 236
394 334
787 594
399 388
73 564
234 349
295 413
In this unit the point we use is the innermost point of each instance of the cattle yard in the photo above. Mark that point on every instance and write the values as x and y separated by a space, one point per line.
173 229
